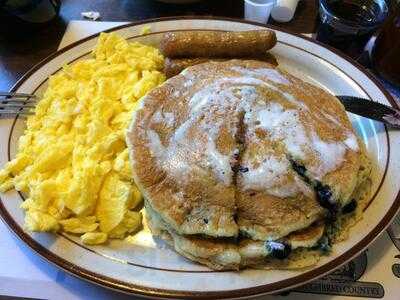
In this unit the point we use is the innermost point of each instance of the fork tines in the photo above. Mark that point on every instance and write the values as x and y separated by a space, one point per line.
16 103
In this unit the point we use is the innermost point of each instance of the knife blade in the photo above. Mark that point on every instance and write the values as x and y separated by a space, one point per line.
371 110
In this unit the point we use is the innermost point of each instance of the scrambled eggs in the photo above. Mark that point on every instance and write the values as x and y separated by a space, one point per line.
72 160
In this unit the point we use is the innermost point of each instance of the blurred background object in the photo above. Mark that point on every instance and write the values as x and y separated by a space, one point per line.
366 30
27 15
347 24
385 55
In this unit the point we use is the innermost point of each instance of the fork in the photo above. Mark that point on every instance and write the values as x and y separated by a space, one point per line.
16 103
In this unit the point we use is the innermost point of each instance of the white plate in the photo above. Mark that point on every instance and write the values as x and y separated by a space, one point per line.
152 269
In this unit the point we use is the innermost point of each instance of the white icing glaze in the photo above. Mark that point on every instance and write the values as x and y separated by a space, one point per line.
188 83
284 125
255 81
189 78
176 94
168 156
272 176
200 99
167 118
203 148
157 118
293 100
330 156
270 74
222 101
155 144
331 118
267 175
351 142
218 162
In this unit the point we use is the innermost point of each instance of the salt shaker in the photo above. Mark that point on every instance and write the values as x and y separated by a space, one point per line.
284 10
258 10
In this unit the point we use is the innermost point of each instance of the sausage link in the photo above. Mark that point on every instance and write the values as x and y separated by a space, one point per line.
217 43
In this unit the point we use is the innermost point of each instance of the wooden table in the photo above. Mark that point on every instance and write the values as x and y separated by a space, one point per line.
19 53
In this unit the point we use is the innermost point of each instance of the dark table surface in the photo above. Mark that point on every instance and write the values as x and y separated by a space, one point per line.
19 53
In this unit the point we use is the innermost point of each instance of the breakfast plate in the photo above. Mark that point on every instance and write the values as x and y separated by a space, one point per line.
147 266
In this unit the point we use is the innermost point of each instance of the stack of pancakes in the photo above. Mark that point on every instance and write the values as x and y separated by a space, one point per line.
242 164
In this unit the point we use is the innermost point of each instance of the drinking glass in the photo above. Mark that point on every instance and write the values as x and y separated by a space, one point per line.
347 24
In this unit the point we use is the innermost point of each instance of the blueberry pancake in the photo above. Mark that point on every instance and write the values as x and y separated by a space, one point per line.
242 164
222 254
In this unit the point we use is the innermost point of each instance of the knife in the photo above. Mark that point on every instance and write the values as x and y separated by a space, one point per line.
371 110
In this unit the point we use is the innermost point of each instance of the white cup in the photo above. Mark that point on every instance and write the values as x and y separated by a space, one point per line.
258 10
